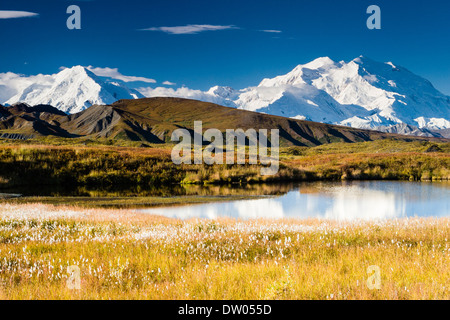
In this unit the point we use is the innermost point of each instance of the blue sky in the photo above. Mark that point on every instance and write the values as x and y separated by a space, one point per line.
229 46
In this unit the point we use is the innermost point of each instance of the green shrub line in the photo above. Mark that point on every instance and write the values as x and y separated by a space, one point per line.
32 165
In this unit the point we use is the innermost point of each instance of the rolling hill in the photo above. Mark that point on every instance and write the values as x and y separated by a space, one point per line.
154 119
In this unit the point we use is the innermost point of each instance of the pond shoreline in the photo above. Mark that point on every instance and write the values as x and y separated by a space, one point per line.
123 255
214 196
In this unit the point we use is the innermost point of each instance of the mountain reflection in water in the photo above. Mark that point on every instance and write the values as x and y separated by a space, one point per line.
365 200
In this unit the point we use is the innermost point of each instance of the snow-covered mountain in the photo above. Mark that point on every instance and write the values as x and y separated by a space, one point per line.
71 90
361 93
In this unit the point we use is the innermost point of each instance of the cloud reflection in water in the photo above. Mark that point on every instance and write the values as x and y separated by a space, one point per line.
341 201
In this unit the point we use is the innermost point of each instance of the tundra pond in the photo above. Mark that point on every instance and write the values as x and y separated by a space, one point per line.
346 200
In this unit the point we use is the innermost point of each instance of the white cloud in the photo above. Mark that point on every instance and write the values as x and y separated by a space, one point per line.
190 28
12 84
168 83
271 31
115 74
182 92
186 93
6 14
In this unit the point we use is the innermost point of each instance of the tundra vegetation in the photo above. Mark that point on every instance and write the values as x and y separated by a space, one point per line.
122 254
107 163
125 255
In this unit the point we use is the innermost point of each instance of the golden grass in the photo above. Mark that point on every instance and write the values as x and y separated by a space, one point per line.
125 255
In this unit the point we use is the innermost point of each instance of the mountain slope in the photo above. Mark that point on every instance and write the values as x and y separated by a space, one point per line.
22 121
71 90
361 93
154 119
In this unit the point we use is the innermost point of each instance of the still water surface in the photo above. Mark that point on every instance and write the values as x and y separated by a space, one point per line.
365 200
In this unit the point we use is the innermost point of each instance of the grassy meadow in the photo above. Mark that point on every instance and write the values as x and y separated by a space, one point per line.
125 255
122 254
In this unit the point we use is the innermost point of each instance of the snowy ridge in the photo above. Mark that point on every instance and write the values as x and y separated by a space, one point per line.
361 93
71 90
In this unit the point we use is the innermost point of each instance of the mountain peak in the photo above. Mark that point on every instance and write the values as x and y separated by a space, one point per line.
222 91
361 93
71 90
318 63
301 74
77 71
362 58
74 69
